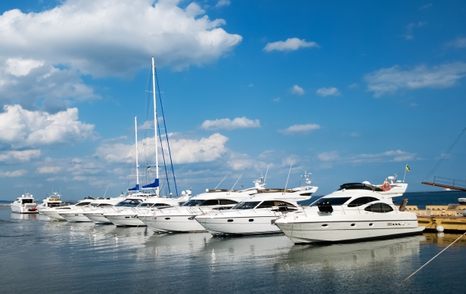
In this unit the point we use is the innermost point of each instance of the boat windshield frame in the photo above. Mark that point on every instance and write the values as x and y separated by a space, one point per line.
334 201
246 205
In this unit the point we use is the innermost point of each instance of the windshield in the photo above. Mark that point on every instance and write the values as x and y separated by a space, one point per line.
193 202
246 205
129 203
331 201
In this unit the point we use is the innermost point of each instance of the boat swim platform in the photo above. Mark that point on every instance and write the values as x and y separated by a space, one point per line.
451 217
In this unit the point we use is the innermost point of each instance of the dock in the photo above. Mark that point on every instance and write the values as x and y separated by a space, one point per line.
448 218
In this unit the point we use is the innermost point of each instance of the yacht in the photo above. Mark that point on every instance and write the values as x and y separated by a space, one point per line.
53 200
356 211
129 216
256 214
75 213
182 219
24 204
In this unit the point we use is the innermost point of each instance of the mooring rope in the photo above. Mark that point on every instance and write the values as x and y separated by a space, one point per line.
434 257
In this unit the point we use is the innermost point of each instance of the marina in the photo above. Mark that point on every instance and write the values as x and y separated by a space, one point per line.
82 257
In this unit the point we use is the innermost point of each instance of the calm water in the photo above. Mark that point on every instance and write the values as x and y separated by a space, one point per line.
40 256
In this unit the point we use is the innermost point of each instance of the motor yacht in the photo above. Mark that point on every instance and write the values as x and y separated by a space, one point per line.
357 211
53 200
24 204
75 213
181 219
256 214
129 216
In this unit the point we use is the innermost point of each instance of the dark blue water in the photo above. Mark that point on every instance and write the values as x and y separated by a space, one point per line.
40 256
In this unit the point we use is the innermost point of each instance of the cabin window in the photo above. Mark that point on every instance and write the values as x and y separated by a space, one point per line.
246 205
269 204
361 201
227 202
210 202
193 202
379 207
331 201
158 205
129 203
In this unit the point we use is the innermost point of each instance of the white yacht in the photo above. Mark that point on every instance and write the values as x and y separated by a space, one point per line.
129 216
357 211
53 200
181 219
75 213
24 204
256 214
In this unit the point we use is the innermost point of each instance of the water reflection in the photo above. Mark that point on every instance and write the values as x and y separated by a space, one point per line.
443 240
358 254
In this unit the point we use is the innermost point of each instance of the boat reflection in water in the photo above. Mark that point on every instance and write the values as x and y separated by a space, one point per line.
357 254
170 245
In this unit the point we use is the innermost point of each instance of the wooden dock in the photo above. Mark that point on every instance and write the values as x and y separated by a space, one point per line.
448 218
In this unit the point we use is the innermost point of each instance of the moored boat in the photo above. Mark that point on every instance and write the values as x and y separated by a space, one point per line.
24 204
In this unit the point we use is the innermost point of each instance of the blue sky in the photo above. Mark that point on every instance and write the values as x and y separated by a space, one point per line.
346 90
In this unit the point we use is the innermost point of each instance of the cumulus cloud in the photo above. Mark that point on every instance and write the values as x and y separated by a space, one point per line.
19 155
223 3
13 174
33 83
331 91
301 129
183 150
49 169
110 37
21 127
390 80
459 43
230 124
290 44
297 90
328 156
411 27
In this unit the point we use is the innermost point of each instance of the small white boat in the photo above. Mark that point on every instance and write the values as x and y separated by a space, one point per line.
357 211
125 216
24 204
75 213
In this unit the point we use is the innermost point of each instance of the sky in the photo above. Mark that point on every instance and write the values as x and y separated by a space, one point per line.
346 90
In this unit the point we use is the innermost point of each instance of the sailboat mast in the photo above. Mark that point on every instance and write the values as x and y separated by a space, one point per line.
155 126
136 144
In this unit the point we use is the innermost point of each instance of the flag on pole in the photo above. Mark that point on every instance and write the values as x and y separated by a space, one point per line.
408 169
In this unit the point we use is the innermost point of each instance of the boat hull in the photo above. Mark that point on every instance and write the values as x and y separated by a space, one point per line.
244 225
25 208
97 217
125 220
345 231
175 224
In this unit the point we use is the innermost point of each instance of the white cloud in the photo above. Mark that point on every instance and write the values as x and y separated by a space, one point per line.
389 80
290 44
390 155
49 169
459 43
13 174
183 150
111 37
223 3
230 124
21 127
301 129
297 90
411 27
31 82
328 156
19 155
331 91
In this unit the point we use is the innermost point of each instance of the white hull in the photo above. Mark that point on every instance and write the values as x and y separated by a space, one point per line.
341 231
74 217
175 223
97 217
240 223
125 220
25 208
51 213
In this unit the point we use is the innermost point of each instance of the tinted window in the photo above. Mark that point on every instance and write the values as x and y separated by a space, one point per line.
268 204
227 201
246 205
331 201
361 200
210 202
193 202
379 207
129 203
